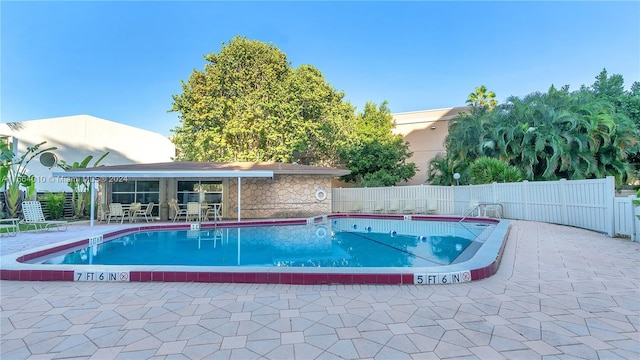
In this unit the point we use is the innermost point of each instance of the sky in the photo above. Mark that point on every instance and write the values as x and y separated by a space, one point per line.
124 60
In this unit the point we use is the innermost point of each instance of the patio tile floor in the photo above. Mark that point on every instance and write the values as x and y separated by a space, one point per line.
560 292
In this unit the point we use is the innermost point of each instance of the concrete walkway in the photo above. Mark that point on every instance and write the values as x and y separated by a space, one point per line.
560 293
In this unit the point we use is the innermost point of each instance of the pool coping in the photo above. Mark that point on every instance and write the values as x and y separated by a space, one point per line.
482 265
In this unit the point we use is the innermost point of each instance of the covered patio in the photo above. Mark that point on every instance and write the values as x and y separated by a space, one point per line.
259 189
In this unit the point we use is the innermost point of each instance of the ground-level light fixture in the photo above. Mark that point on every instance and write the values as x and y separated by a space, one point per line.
457 177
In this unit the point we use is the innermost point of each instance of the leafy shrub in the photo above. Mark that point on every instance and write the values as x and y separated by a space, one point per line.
55 204
486 170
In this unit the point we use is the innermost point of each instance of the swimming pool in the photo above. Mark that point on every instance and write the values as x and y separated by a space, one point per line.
338 248
337 243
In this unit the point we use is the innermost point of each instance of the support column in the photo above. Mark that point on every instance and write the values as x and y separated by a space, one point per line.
92 211
239 196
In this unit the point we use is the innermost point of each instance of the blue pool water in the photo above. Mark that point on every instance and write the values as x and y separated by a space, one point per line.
339 243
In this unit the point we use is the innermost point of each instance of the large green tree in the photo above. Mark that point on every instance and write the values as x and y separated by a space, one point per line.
377 157
250 105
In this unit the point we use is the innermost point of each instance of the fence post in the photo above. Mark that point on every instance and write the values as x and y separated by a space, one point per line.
453 199
525 191
635 218
563 201
494 198
609 196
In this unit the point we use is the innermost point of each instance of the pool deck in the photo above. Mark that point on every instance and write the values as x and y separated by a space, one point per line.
560 292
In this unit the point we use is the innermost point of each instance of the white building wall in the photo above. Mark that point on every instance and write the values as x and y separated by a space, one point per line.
78 136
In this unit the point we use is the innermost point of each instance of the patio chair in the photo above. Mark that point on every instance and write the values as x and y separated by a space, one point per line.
132 209
378 206
409 206
33 217
394 206
474 208
432 206
212 211
194 210
177 212
356 206
116 211
104 212
143 213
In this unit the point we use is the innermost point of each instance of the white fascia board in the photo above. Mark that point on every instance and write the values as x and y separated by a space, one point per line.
167 174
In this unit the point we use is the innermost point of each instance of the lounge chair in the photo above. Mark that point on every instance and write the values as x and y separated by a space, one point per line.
10 226
33 217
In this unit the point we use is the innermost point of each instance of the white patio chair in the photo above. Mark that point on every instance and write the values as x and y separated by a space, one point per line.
356 206
394 206
116 211
193 211
104 212
409 206
432 206
177 212
143 213
378 206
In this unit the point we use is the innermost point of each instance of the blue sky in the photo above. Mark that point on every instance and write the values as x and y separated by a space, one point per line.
123 61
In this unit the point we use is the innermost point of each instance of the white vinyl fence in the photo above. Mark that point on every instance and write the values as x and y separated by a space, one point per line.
626 218
587 204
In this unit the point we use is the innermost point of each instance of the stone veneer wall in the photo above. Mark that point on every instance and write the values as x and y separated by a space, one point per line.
284 196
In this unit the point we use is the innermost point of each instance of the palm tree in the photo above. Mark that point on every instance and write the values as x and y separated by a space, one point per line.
441 170
548 136
482 99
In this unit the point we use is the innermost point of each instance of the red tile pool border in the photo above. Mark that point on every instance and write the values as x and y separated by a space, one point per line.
295 277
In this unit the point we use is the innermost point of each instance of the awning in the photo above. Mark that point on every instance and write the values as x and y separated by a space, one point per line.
105 174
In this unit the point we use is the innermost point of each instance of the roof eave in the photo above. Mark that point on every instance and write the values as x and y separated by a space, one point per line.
164 174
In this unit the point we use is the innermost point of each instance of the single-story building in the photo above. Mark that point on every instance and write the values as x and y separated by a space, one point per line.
241 189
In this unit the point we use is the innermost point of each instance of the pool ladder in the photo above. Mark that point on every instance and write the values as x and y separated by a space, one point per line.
477 207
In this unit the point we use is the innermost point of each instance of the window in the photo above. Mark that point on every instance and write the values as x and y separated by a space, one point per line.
142 191
208 191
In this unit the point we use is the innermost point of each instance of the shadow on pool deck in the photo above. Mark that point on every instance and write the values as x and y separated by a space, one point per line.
559 292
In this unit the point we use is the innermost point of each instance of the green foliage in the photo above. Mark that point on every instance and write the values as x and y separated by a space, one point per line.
80 187
54 204
377 156
486 170
441 170
13 172
250 105
482 99
558 134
